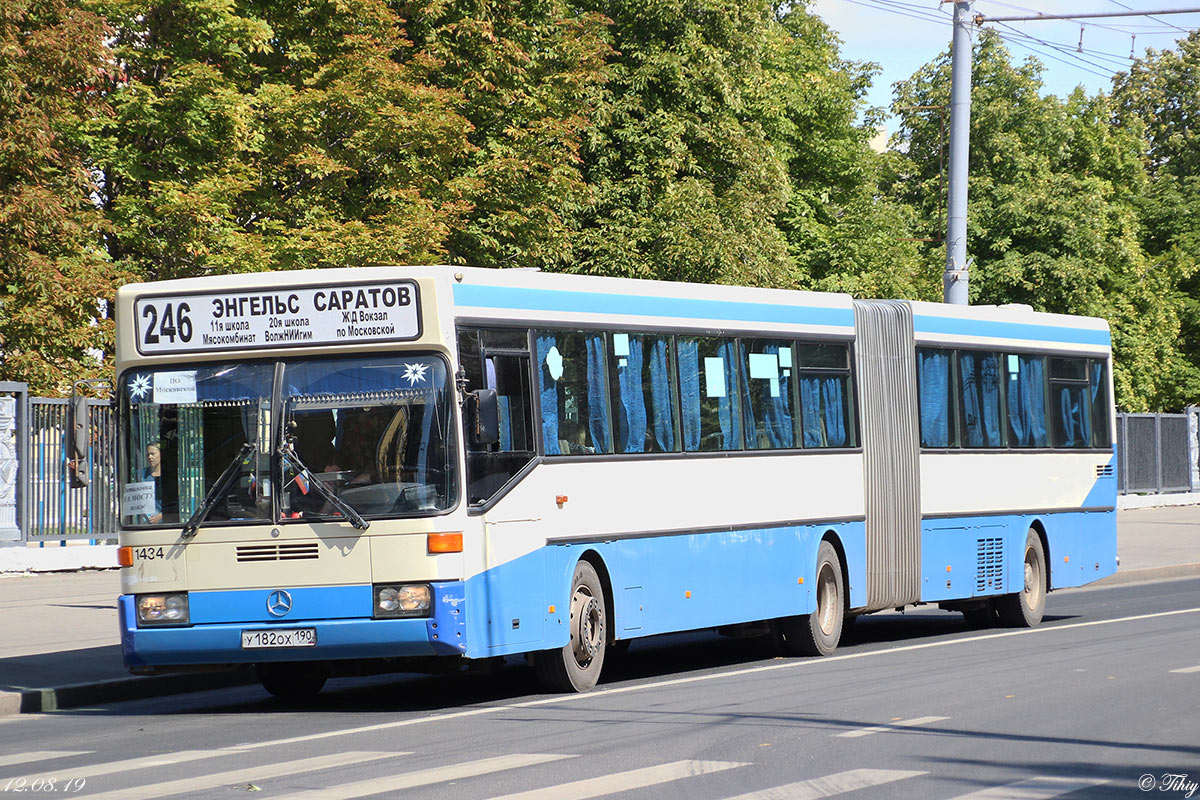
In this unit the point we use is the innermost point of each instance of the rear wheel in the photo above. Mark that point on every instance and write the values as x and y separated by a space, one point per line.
1024 609
575 667
292 680
818 633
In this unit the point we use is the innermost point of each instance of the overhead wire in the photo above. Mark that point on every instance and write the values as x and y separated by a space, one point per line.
1074 56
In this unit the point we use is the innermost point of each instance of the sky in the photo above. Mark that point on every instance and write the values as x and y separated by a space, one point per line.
903 35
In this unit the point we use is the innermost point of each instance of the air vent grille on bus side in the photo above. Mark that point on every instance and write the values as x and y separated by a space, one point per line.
989 573
1104 470
277 552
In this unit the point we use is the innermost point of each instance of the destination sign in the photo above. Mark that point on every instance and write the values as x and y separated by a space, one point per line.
269 318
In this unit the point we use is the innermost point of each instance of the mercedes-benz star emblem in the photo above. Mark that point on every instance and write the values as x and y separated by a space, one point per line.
279 603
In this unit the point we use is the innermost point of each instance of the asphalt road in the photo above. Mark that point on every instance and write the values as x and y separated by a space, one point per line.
912 706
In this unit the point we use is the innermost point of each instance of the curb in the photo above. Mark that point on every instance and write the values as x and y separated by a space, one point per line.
1149 574
35 701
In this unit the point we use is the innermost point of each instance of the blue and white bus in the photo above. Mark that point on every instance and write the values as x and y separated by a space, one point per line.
339 471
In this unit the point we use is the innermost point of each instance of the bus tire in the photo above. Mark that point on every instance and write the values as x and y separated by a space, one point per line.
818 633
292 680
575 667
1024 609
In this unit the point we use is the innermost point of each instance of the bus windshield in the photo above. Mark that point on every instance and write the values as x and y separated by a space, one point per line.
377 432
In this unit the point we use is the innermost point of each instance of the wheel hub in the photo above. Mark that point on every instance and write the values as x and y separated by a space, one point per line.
587 627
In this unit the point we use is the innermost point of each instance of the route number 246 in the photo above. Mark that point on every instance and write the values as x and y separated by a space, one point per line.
174 322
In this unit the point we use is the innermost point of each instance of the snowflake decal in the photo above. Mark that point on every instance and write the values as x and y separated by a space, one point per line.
415 373
139 386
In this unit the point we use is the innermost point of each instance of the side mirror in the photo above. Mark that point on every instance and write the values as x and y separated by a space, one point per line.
80 443
483 417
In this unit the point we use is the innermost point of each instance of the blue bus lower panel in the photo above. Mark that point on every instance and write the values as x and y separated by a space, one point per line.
659 584
984 556
344 629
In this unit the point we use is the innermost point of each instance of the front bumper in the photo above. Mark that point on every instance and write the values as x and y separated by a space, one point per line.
341 618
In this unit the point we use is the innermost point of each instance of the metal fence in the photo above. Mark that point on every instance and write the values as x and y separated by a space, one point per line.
1157 453
55 509
37 501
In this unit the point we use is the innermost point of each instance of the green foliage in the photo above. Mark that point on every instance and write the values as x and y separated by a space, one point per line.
1158 96
686 182
52 271
1053 216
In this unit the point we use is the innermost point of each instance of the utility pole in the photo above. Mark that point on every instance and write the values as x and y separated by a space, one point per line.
956 278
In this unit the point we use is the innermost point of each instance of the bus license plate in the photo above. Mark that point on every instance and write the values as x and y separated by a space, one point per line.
280 637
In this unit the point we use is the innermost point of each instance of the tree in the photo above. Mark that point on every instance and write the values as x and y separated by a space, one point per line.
687 184
282 133
1158 96
1053 221
844 232
54 276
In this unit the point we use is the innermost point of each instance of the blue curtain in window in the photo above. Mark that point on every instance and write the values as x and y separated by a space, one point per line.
689 392
835 411
548 393
1099 417
1076 416
731 435
933 384
1027 404
980 379
776 416
660 396
631 419
598 425
812 427
748 386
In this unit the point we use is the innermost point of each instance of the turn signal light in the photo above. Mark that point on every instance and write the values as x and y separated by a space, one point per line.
444 542
124 556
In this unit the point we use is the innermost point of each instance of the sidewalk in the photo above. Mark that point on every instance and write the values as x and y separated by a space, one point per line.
61 647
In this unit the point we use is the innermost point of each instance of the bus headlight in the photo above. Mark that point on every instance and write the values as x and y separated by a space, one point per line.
403 600
162 609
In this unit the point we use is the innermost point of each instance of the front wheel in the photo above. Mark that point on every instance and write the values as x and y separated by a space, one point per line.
818 633
1024 609
575 667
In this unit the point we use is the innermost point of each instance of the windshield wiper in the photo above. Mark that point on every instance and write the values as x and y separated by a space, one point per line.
287 454
217 491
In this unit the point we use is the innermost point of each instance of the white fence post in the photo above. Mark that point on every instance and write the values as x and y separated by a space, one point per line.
1194 445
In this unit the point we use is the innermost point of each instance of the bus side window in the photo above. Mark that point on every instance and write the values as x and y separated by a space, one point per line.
498 359
1098 390
826 411
1026 395
1070 403
642 388
572 382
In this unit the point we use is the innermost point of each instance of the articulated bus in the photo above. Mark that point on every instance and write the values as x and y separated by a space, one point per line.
342 472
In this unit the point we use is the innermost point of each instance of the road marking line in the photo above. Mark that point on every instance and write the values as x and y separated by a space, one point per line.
38 755
908 723
830 785
128 765
1186 670
425 777
655 685
263 772
625 781
1040 788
